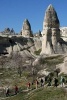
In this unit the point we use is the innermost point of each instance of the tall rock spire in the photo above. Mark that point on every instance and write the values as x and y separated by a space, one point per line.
26 29
26 25
51 31
51 19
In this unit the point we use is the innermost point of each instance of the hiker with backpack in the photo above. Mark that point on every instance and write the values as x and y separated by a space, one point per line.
62 81
42 82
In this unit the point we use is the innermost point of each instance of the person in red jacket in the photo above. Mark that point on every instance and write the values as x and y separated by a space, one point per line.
28 85
16 89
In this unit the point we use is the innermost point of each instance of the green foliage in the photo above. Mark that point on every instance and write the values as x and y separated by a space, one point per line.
53 60
37 52
20 96
26 74
47 93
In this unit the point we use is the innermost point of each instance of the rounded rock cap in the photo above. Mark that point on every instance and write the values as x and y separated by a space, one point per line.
26 25
51 19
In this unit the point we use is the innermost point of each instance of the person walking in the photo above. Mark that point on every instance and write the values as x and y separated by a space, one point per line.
36 82
42 82
16 89
49 81
62 81
7 91
28 85
55 82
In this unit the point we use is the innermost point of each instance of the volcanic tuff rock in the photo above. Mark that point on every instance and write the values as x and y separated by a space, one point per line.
63 66
25 45
26 29
51 19
52 41
63 32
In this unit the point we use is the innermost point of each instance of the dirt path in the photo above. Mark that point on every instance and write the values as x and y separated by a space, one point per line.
30 91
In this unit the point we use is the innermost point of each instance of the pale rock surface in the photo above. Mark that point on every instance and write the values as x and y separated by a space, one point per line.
18 43
52 43
26 29
44 72
63 32
63 66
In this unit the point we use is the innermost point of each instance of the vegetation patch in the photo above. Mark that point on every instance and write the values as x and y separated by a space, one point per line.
47 93
37 52
51 62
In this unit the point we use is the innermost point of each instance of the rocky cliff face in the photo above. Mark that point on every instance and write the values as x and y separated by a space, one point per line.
27 46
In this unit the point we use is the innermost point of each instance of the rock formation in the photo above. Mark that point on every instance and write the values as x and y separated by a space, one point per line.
51 41
63 66
26 29
7 32
26 46
63 32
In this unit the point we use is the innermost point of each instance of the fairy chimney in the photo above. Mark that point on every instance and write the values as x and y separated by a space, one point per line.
26 29
51 32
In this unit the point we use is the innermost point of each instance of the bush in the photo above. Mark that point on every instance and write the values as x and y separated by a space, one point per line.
37 52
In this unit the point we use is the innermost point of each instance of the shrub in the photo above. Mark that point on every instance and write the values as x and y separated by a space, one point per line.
37 52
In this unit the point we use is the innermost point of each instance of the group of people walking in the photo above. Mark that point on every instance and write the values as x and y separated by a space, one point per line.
51 82
55 81
39 83
36 83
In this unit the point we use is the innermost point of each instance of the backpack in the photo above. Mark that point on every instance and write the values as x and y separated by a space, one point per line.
63 80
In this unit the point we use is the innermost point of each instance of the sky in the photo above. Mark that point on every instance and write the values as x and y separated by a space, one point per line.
14 12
